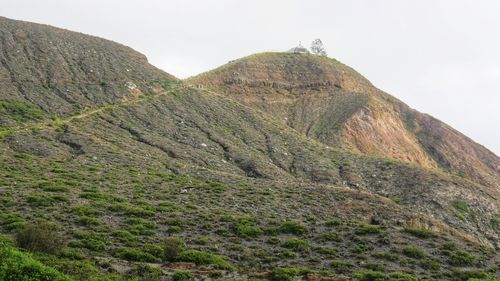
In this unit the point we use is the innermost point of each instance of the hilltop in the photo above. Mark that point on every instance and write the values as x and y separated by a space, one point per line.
330 102
163 180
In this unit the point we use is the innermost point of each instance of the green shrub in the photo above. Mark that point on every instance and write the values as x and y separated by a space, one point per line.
402 276
88 221
39 200
74 254
342 266
146 272
291 227
420 232
413 252
461 258
181 275
200 257
460 206
329 251
131 254
330 236
20 111
466 275
172 246
332 223
430 263
18 266
296 244
40 237
449 246
247 228
368 229
287 273
89 240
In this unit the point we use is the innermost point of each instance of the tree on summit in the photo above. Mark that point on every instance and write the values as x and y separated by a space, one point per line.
317 47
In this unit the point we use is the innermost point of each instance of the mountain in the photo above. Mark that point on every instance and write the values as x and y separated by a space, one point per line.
328 101
164 180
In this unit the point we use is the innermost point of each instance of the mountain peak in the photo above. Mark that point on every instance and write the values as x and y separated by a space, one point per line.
293 71
329 101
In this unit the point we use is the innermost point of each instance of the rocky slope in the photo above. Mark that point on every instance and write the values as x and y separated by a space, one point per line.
250 195
328 101
57 72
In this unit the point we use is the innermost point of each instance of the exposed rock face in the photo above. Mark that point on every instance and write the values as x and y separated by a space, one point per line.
378 131
331 102
64 72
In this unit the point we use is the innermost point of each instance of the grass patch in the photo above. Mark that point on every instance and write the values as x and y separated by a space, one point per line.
20 111
413 252
420 232
200 257
132 254
460 206
291 227
296 244
15 265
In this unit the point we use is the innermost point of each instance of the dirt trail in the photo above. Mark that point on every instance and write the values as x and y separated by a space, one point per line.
57 121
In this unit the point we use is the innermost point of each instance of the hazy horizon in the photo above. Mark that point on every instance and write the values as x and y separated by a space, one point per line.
439 57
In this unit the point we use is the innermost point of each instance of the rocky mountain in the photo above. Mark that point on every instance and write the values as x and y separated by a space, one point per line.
240 173
330 102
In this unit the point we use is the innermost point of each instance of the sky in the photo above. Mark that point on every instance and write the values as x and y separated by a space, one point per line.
441 57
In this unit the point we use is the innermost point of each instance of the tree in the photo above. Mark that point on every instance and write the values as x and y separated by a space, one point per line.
317 47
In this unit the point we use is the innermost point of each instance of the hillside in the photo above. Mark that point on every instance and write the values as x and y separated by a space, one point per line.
182 183
50 72
328 101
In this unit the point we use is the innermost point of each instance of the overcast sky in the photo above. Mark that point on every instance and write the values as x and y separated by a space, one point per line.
440 57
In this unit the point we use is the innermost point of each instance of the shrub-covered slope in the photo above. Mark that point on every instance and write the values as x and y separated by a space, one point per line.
48 72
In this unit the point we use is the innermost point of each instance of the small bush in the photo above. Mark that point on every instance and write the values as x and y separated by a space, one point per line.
199 257
430 264
291 227
40 237
39 200
332 223
15 265
287 273
461 258
449 246
247 228
470 274
402 276
342 266
329 251
131 254
374 266
296 244
181 275
172 246
146 272
460 206
330 236
413 252
368 229
420 232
